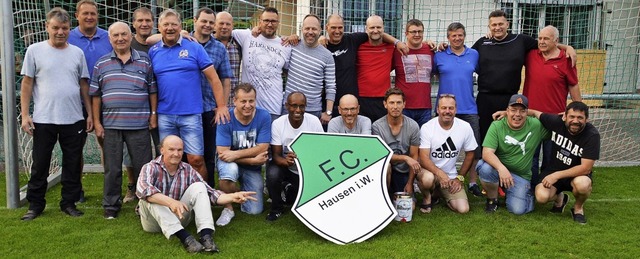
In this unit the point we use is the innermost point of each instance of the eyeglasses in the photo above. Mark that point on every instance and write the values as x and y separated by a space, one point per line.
453 96
350 110
270 21
416 32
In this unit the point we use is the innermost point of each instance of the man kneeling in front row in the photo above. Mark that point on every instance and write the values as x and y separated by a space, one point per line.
171 193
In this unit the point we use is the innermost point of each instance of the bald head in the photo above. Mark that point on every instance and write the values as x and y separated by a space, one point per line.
224 14
169 140
348 100
223 26
375 29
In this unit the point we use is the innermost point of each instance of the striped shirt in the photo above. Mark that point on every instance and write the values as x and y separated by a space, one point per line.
154 178
124 90
311 70
220 59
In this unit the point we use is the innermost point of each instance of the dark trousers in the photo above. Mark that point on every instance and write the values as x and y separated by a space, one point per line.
372 108
277 178
546 159
155 138
209 138
487 105
71 138
139 147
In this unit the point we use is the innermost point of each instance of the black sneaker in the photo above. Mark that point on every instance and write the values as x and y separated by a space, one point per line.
475 190
491 206
208 244
274 215
192 245
580 218
560 209
110 214
73 212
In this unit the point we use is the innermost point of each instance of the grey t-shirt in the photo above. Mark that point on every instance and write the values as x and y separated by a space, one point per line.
409 136
56 77
363 126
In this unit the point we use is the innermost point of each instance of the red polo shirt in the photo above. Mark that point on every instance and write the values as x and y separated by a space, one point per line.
547 82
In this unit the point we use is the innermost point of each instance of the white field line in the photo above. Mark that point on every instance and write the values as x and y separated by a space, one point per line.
475 203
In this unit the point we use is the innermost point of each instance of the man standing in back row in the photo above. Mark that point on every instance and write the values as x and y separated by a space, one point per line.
264 61
413 73
55 74
179 65
374 66
312 70
549 77
455 67
124 93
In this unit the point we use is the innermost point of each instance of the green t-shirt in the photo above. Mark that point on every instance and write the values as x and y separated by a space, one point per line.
515 148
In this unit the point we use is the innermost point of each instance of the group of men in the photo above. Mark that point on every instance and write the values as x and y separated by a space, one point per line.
186 95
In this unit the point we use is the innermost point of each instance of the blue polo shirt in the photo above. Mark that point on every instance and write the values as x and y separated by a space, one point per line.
178 76
456 77
218 54
93 48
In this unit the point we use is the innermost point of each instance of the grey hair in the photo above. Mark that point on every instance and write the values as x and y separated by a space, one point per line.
169 12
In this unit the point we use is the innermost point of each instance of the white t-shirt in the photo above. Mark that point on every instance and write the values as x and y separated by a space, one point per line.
56 77
262 62
445 145
282 133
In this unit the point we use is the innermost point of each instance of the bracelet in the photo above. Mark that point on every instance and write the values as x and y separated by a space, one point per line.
395 43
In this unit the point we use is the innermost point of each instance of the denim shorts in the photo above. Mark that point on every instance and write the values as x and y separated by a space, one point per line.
250 180
519 197
187 127
421 116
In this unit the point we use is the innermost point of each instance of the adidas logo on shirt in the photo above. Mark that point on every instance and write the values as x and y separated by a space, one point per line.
447 150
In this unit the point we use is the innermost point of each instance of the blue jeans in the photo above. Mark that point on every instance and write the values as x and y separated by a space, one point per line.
421 116
251 181
519 198
187 127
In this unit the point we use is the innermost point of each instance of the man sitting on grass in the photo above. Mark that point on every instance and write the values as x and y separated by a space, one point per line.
171 193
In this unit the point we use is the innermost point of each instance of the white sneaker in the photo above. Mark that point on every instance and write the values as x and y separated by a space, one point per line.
225 217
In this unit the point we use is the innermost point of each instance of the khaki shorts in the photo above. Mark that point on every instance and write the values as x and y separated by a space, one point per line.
452 196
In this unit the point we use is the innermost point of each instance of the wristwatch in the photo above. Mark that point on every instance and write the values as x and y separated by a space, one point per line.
460 178
329 113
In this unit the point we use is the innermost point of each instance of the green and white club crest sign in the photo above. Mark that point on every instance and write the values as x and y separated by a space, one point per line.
343 192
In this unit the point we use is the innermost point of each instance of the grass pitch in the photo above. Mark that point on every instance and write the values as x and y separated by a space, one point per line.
612 231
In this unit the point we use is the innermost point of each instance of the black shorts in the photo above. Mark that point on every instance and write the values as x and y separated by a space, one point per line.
562 184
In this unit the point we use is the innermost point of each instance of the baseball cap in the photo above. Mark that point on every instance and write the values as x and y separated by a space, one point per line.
519 99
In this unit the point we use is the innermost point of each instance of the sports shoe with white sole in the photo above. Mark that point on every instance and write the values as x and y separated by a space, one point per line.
225 217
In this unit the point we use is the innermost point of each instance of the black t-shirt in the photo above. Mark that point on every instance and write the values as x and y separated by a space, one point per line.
138 46
567 150
345 56
500 64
